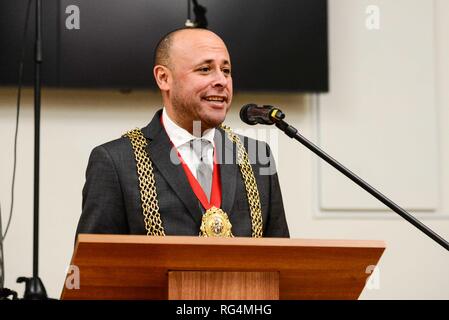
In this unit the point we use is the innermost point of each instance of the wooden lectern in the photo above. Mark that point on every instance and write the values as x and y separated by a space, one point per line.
193 268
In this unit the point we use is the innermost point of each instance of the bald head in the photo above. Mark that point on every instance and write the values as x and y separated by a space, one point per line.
164 47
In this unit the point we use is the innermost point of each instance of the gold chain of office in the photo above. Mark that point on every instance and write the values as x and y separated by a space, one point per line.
147 184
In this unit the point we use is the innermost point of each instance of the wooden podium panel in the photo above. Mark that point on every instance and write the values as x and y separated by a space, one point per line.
228 285
138 267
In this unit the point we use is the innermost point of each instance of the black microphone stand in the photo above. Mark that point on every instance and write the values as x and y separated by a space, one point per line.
292 132
34 288
200 15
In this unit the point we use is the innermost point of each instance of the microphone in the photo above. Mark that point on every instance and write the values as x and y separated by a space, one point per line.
253 114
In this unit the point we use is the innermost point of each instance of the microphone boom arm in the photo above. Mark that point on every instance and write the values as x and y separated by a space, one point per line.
294 134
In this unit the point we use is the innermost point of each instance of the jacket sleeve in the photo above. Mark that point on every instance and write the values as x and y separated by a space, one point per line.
103 209
276 223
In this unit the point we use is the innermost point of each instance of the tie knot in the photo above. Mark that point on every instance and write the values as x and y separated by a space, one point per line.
200 147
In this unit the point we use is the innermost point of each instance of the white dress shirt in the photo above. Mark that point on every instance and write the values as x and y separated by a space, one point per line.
181 139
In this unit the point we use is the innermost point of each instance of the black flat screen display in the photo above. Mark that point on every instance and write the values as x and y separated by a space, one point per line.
275 45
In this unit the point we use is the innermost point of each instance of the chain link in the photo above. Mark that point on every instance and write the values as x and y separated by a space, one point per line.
147 184
249 180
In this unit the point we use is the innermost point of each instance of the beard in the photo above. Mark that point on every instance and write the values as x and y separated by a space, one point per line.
189 110
183 109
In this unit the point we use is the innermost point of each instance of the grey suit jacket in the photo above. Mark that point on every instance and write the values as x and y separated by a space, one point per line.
111 194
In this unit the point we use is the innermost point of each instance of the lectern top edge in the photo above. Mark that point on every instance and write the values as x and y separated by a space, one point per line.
198 241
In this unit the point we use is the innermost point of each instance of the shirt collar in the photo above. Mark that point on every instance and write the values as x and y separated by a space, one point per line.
180 136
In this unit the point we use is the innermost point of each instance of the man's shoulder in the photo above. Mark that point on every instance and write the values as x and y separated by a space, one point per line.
259 152
114 146
247 140
250 140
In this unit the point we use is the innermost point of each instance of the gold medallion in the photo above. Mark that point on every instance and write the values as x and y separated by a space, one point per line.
215 223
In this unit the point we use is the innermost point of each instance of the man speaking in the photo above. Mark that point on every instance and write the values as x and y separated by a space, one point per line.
185 173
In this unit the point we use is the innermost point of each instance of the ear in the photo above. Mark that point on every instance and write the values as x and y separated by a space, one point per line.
162 76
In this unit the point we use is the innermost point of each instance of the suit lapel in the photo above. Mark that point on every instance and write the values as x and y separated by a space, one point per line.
226 155
159 149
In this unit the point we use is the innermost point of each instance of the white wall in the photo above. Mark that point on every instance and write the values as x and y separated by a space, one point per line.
73 122
381 106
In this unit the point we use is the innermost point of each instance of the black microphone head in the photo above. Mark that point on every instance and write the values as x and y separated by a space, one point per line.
244 116
265 114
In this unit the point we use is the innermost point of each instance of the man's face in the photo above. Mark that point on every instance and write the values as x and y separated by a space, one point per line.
200 88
